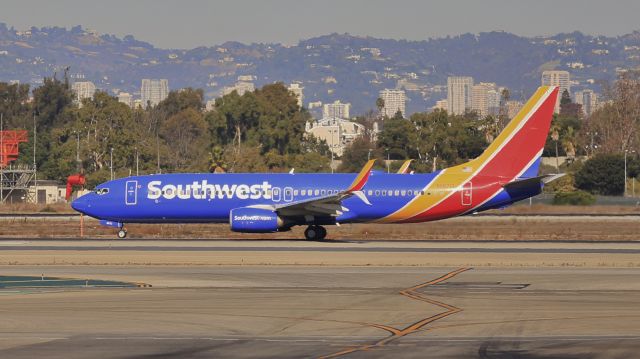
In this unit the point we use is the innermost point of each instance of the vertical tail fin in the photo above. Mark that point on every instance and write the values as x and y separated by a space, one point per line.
519 146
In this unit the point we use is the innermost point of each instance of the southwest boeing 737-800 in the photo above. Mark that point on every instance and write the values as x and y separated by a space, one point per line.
506 172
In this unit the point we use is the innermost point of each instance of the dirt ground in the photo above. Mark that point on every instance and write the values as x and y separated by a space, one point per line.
538 227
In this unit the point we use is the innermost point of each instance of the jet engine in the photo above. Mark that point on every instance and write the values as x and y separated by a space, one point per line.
254 220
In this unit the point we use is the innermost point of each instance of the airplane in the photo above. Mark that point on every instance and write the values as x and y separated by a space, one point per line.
506 172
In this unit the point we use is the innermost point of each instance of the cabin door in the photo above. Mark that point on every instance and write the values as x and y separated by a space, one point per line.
288 194
275 194
131 195
466 194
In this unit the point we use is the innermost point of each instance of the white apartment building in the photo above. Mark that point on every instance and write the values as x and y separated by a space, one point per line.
561 79
441 105
336 109
297 90
338 133
83 89
125 98
241 87
394 101
459 94
589 101
153 91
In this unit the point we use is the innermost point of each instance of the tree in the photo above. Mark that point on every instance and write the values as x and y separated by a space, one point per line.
357 153
14 106
380 106
181 100
399 137
602 174
186 135
617 123
568 108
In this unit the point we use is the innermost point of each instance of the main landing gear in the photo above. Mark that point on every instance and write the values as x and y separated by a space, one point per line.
122 233
315 233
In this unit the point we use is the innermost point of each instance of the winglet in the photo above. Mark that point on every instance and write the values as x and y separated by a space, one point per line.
404 169
362 177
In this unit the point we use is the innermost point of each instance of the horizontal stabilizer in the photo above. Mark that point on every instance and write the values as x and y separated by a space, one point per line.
528 182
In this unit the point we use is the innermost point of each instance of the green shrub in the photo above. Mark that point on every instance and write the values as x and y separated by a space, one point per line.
602 174
576 198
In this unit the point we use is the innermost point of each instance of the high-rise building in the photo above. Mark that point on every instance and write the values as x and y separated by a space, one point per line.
125 98
297 90
394 101
83 89
589 101
459 94
336 109
557 78
153 91
483 98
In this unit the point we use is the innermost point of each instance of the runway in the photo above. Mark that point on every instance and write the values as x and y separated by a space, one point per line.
375 246
331 253
325 311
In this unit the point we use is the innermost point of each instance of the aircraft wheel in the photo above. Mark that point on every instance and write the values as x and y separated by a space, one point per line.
122 233
323 232
312 233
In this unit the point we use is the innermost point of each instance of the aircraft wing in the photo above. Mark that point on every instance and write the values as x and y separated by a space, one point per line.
328 205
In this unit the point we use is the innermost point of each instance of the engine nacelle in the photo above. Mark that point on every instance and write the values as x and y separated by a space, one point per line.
254 220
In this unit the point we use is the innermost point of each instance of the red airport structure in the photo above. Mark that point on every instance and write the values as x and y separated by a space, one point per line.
9 141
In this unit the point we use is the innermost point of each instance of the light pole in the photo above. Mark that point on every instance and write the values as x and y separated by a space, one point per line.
387 150
555 136
111 163
333 148
625 171
137 167
369 155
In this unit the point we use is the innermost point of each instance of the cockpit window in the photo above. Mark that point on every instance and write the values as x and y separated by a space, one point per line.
102 191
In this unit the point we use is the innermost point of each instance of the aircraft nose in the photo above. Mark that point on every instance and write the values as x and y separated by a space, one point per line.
80 204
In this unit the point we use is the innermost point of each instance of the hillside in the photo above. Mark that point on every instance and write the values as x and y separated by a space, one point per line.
336 66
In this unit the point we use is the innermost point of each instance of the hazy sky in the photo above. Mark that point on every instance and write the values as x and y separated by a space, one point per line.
191 23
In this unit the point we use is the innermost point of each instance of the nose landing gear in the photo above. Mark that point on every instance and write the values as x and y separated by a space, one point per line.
315 233
122 233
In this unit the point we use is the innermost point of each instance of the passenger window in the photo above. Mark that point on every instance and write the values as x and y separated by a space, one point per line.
303 192
295 192
377 192
317 192
384 193
370 192
396 193
409 193
323 192
403 193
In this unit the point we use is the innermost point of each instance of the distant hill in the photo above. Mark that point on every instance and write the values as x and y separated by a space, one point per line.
337 66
